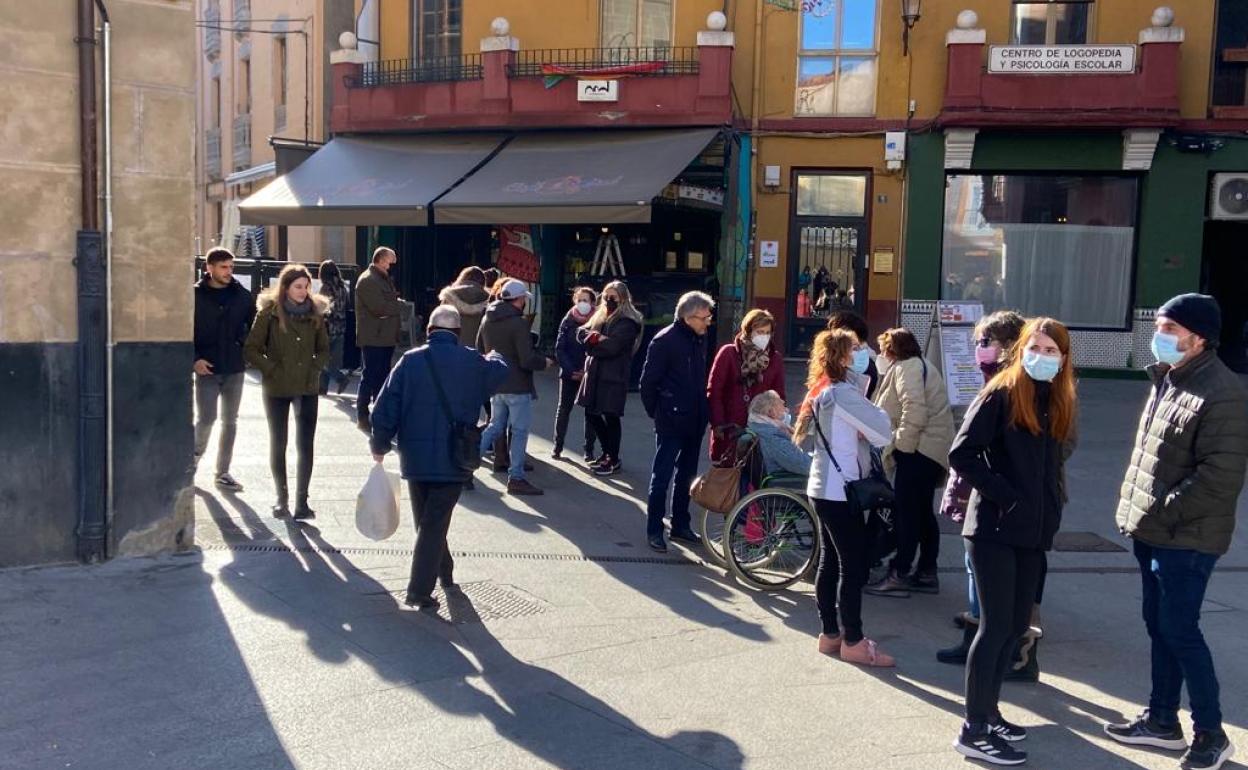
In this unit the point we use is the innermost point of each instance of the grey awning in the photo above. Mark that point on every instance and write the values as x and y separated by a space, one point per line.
376 181
573 178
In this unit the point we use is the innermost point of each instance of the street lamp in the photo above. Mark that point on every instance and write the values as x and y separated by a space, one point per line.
909 15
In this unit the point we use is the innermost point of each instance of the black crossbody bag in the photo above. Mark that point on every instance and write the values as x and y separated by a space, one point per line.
870 494
465 443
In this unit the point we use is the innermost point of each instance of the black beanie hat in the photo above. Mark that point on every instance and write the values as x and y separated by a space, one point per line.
1198 312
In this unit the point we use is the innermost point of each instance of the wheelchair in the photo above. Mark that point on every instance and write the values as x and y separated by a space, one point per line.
770 538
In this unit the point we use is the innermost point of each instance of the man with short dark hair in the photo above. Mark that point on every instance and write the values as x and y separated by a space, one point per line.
1178 505
377 320
412 406
224 311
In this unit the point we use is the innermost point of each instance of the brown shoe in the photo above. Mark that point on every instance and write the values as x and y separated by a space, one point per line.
522 487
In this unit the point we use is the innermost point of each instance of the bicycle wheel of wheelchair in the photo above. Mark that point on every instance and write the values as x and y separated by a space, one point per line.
711 525
771 539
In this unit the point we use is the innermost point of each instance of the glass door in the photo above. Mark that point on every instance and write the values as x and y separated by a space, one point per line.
828 247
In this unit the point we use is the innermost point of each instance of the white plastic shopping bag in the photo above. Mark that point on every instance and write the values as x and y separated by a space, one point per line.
377 505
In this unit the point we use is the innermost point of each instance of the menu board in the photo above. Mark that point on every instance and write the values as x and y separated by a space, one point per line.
951 343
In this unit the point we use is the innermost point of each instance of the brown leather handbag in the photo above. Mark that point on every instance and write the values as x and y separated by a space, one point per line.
719 489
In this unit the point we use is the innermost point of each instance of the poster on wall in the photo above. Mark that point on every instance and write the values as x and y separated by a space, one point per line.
951 346
516 255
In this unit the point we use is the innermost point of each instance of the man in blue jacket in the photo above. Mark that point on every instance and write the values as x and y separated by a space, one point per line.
410 408
673 390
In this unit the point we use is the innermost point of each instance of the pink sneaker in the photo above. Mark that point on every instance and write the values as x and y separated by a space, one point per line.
830 645
867 653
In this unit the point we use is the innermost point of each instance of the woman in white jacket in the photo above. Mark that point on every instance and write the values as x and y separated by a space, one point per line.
845 424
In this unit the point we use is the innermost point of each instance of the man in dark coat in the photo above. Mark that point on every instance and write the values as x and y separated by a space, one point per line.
409 407
377 321
505 330
1178 505
224 311
673 390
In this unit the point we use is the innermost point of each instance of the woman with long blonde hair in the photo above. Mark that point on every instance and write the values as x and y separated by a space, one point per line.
1011 450
289 344
611 337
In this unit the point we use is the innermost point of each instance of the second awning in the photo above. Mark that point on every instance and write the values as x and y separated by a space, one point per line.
603 177
375 181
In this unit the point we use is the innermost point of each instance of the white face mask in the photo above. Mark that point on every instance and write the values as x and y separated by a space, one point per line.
584 308
761 341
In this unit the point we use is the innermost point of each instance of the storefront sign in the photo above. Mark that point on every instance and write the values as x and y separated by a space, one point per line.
516 255
951 343
1062 59
597 90
687 192
770 254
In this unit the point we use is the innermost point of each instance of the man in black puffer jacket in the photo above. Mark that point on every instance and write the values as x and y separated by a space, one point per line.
1178 506
224 311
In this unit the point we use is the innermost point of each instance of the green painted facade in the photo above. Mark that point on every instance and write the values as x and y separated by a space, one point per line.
1173 197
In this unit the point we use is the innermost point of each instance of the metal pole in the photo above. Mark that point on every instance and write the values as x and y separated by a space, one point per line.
106 52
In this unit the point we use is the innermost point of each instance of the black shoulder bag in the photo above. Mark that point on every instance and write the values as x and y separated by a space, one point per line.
465 444
870 494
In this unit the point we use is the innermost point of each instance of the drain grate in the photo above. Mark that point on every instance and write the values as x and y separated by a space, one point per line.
486 600
494 555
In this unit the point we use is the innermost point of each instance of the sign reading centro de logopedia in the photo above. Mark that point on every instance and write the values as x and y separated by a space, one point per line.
1062 59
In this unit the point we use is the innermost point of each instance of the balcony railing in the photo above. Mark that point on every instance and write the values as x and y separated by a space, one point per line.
399 71
212 31
646 61
212 153
242 142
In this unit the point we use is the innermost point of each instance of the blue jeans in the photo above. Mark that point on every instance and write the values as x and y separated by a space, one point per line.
514 411
1174 588
679 455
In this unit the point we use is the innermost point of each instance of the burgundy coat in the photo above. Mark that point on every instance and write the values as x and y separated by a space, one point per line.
730 399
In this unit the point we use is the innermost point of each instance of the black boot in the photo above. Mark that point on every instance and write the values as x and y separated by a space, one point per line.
956 655
281 509
1026 666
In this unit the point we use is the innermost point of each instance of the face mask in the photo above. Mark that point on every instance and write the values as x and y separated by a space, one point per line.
990 370
986 355
584 308
1166 348
1040 367
761 341
862 359
612 304
883 364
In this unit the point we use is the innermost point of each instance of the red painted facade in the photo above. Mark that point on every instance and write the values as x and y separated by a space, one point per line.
1147 97
500 101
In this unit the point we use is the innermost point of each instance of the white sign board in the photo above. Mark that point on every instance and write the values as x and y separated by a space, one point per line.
952 346
1062 59
769 252
597 90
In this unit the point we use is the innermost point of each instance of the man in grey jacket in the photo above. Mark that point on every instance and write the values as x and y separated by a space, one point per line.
505 331
1178 506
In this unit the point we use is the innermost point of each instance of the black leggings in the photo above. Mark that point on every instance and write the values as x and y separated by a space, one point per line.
568 389
609 432
842 570
916 481
278 411
1007 579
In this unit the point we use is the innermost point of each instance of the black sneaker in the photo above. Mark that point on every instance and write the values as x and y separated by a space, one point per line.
686 536
1007 731
1209 751
1143 731
657 544
924 583
985 745
607 469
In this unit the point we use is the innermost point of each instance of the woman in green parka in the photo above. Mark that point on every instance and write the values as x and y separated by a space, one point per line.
289 344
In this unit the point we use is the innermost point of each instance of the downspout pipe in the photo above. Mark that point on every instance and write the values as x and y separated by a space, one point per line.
92 476
106 53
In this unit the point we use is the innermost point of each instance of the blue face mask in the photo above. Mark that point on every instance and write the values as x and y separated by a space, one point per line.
1166 348
1040 367
862 359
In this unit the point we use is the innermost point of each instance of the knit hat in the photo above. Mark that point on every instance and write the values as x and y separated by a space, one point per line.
1199 313
444 317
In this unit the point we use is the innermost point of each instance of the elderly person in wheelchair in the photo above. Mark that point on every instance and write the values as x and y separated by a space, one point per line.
772 425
